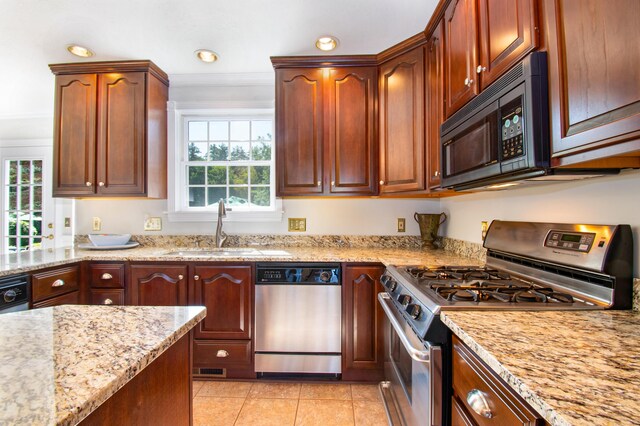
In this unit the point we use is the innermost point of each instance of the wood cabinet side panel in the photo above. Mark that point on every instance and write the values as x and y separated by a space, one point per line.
156 138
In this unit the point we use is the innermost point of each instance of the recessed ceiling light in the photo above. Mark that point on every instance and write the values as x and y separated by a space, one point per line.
206 55
327 42
80 51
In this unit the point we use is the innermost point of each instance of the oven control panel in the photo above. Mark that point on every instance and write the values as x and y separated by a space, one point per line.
577 241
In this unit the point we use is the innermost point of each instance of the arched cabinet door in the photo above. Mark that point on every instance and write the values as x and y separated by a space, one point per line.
158 285
226 293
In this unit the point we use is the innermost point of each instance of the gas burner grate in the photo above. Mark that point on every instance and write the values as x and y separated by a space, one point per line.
457 273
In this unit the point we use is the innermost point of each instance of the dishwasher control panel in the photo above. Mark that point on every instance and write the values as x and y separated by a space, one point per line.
298 273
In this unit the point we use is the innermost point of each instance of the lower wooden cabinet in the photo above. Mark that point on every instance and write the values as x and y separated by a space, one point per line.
477 389
362 342
158 285
54 282
72 298
102 296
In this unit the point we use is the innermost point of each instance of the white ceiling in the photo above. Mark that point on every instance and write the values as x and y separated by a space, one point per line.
34 33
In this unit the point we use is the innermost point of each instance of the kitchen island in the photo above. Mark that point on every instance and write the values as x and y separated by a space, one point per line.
573 367
100 364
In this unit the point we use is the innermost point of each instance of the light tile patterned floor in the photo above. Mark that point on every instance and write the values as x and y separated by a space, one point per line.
300 404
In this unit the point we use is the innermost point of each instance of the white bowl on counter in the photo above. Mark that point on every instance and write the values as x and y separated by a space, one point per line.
109 239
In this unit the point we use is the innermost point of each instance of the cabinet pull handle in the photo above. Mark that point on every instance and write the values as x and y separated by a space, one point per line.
57 283
222 354
88 183
479 403
100 183
106 276
180 277
381 182
108 302
196 277
480 69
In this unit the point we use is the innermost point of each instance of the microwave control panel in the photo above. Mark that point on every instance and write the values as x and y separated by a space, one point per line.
577 241
512 129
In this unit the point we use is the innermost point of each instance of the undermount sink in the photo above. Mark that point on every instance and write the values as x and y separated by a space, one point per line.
231 251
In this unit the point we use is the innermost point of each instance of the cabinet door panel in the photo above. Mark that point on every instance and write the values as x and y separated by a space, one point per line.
402 123
74 135
299 129
158 285
460 54
121 136
594 73
72 298
435 104
363 344
351 135
507 34
226 292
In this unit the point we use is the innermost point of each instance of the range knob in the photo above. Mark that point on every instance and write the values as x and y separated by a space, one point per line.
388 282
325 276
392 285
404 299
10 296
414 311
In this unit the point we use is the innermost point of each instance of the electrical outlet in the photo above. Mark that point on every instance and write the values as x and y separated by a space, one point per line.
485 227
67 222
97 224
153 224
402 224
297 224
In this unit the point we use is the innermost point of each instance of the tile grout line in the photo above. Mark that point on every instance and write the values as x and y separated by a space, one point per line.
244 401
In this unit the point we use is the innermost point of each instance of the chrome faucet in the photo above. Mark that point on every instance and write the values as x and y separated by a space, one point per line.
221 237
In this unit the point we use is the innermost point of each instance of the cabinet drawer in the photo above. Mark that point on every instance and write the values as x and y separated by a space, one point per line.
107 297
222 353
103 275
471 376
52 283
72 298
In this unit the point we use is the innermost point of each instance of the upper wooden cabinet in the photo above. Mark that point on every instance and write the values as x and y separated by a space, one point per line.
325 128
594 80
434 95
483 39
401 116
110 129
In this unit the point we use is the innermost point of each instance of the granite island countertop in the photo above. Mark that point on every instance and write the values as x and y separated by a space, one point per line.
38 259
573 367
59 364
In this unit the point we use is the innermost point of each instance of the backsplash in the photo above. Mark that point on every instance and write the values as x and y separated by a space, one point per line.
636 294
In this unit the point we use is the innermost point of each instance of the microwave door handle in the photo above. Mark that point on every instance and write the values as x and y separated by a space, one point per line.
417 354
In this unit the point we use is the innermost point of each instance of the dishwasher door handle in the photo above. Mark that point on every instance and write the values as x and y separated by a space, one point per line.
418 353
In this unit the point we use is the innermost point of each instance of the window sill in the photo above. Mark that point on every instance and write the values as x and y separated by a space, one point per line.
212 216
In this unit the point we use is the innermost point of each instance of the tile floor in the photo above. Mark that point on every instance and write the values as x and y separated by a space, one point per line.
290 403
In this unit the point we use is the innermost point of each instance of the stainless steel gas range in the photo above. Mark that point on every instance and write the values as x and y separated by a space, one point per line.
530 266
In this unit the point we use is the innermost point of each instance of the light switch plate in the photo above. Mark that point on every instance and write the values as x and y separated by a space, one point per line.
153 224
402 224
97 224
297 224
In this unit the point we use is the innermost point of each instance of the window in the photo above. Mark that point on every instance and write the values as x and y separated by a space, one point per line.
222 153
22 205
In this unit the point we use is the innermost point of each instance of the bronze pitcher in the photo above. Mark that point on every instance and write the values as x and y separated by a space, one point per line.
429 224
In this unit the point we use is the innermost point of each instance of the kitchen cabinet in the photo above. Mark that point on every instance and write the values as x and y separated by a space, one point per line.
106 283
363 345
325 128
110 130
56 286
482 40
223 340
476 389
434 82
594 82
401 117
157 285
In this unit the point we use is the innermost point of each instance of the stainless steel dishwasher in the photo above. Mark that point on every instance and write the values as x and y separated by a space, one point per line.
298 318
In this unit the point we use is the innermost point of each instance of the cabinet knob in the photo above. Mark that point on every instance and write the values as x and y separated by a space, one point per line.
468 82
333 183
196 277
436 173
319 183
222 354
57 283
100 183
480 69
108 302
381 182
479 403
88 183
106 276
180 277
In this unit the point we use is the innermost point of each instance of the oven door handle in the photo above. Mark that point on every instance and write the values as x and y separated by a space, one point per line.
417 353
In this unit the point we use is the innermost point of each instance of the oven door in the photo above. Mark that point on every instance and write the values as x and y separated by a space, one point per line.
412 392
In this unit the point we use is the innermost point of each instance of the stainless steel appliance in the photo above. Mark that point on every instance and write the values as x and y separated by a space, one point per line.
502 135
298 319
530 266
14 294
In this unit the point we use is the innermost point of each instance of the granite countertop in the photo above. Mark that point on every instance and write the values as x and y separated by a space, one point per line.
573 367
59 364
38 259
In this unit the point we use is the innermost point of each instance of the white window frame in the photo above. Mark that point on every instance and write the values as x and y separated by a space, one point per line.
178 210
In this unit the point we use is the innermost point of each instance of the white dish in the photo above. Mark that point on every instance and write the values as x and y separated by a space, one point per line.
89 246
109 239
